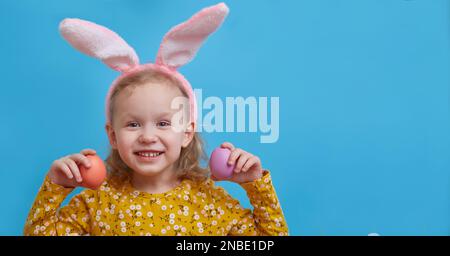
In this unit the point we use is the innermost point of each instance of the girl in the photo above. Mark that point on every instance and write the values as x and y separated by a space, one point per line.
155 185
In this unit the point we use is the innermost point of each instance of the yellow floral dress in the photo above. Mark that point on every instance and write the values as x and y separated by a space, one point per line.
192 208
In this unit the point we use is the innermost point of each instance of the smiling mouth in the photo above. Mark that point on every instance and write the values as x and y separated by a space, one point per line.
148 154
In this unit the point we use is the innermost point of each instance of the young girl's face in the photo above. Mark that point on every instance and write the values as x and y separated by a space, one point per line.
142 126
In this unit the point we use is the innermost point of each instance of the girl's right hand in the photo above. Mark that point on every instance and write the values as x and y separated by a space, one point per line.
65 172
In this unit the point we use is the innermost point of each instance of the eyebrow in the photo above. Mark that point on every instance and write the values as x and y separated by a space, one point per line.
159 115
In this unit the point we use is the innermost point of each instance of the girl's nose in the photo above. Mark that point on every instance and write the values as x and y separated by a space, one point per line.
147 137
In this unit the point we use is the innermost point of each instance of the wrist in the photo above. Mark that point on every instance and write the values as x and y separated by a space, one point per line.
257 177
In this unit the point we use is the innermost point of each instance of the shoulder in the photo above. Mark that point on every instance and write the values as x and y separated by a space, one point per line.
105 191
208 190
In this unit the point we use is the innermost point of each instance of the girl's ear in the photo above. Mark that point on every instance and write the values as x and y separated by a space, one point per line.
111 135
99 42
188 135
182 42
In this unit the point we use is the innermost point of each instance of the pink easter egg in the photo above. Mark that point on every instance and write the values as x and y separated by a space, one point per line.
218 163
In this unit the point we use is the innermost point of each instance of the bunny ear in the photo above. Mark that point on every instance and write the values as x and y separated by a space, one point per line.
182 42
99 42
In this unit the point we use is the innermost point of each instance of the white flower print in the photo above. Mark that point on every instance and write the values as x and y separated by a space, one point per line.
149 214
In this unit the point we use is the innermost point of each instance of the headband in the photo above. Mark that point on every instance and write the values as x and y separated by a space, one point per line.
178 47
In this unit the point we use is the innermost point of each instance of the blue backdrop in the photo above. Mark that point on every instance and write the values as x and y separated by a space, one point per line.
363 89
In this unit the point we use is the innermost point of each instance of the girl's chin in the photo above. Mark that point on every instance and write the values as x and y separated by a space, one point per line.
147 172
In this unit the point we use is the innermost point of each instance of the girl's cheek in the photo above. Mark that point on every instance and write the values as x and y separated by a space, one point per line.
125 137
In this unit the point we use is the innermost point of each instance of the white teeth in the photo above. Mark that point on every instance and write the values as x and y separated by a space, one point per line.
148 154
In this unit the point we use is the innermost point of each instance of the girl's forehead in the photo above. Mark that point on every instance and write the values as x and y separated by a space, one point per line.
151 99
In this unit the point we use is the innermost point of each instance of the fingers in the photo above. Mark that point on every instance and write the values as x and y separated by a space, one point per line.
250 162
73 168
88 151
241 161
61 165
227 145
81 159
234 156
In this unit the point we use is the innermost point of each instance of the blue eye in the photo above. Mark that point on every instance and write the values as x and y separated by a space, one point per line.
133 124
163 124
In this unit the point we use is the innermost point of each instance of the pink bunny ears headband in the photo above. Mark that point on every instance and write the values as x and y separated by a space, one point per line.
177 48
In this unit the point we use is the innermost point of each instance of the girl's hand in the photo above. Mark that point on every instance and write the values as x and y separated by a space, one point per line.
247 166
65 172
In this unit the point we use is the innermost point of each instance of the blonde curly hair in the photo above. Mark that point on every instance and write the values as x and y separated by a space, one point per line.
188 163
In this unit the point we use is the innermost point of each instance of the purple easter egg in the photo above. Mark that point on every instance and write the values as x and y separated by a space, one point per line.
218 163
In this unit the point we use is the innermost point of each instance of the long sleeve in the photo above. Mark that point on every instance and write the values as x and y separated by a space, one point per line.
45 217
267 217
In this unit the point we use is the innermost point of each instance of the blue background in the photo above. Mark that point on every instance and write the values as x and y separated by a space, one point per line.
364 102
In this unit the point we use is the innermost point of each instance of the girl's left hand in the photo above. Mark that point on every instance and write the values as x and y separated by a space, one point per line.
247 166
